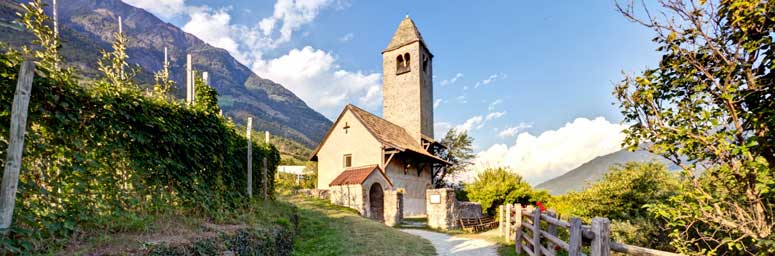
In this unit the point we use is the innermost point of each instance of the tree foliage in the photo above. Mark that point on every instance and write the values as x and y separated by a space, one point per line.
497 186
709 108
458 152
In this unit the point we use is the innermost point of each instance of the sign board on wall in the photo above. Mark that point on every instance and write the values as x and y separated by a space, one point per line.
435 199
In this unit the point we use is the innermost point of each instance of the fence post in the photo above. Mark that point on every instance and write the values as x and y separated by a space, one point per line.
189 80
264 178
250 157
21 102
500 220
537 232
601 244
552 230
518 223
574 242
508 223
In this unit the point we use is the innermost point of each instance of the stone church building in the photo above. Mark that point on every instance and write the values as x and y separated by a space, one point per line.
363 155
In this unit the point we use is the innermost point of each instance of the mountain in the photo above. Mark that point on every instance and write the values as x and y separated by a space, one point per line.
577 179
87 26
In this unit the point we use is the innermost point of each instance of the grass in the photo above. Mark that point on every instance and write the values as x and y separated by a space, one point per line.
327 229
171 228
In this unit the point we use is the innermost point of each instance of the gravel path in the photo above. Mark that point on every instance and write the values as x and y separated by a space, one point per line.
451 245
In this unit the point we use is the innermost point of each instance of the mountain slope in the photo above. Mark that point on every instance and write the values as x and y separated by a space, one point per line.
87 26
577 179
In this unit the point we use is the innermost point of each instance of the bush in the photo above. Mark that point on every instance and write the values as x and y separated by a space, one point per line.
497 186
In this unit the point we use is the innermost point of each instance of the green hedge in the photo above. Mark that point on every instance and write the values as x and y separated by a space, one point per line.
103 157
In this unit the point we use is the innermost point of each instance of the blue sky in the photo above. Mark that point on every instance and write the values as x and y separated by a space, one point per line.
531 81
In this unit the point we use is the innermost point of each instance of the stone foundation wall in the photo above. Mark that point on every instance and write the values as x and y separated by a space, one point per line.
394 207
317 193
442 208
348 196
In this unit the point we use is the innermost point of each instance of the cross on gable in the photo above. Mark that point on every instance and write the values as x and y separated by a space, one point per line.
346 127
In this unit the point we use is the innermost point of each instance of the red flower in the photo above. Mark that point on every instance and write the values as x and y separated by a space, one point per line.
540 206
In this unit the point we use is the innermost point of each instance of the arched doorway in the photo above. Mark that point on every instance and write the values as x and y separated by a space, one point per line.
376 202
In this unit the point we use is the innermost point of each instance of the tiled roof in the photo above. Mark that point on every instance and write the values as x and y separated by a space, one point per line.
406 33
356 175
388 133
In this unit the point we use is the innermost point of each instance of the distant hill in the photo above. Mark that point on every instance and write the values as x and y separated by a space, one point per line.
87 26
577 179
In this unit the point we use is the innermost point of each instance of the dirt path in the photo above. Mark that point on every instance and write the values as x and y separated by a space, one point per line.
453 245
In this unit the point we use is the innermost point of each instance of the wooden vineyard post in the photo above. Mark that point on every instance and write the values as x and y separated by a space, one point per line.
507 231
206 77
537 231
574 242
552 230
189 80
267 136
601 244
518 223
21 102
264 178
500 219
250 157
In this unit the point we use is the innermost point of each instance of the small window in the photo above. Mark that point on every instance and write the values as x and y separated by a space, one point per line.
402 64
348 160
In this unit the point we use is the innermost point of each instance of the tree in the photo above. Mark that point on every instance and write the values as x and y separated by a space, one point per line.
459 153
496 186
709 108
117 72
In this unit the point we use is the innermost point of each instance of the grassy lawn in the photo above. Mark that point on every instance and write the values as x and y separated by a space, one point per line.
326 229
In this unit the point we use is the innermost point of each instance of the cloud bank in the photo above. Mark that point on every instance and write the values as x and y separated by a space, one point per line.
551 153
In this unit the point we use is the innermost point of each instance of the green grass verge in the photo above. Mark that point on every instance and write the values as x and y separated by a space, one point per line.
326 229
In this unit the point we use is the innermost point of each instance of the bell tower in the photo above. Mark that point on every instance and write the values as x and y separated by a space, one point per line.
407 82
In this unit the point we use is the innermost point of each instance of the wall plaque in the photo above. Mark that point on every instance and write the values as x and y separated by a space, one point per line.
436 199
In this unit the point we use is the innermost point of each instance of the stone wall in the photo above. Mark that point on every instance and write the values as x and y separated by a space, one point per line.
469 210
317 193
393 207
348 196
442 208
413 184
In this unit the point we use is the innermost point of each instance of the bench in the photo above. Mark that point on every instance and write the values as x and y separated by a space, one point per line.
476 225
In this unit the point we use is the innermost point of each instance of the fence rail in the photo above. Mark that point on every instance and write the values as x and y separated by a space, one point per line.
524 227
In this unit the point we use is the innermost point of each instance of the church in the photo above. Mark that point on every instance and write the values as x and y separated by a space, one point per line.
363 155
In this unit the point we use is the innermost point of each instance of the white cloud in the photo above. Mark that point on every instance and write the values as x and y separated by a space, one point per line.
440 129
346 38
553 152
472 122
436 103
490 79
451 80
492 105
462 99
495 115
514 130
162 8
314 76
292 14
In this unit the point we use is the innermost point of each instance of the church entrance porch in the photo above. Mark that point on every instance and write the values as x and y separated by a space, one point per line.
376 202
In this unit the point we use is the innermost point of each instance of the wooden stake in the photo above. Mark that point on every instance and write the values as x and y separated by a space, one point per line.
250 158
267 136
120 25
601 244
518 224
500 215
166 61
21 102
189 81
205 78
552 230
264 178
574 242
507 238
537 232
56 29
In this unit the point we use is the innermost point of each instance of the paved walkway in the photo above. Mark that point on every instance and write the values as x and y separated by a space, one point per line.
451 245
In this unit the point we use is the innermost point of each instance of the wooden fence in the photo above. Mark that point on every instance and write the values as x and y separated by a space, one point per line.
523 226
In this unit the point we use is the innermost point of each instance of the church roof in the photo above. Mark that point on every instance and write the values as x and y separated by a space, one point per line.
406 33
357 175
389 134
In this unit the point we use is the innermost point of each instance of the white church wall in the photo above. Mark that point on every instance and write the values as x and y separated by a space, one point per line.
357 141
414 186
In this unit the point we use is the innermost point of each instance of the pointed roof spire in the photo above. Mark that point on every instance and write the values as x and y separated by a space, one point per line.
406 33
